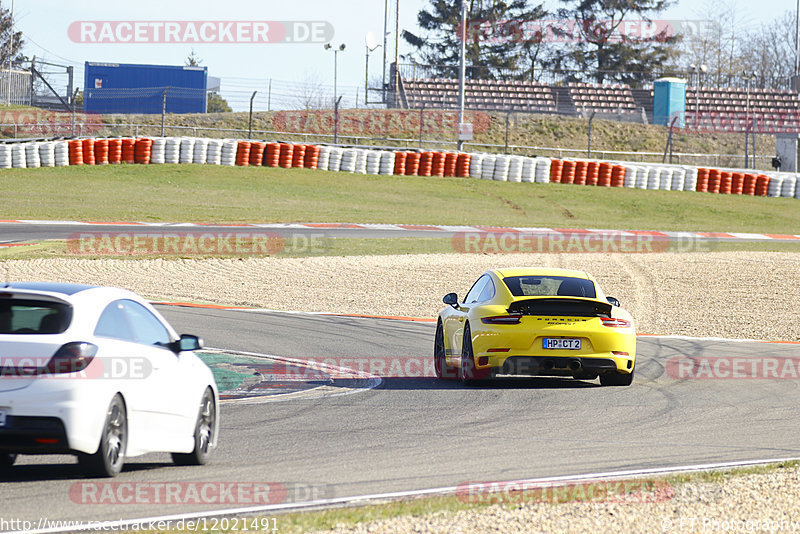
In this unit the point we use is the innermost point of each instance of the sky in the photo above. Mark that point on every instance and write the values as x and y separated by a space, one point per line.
52 31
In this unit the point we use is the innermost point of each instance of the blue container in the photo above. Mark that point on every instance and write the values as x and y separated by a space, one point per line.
129 88
669 101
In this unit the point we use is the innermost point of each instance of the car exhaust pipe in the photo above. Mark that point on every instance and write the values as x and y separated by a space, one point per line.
547 365
575 365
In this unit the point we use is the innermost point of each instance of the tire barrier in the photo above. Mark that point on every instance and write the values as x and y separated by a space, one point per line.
213 153
387 163
501 169
311 159
335 159
412 163
542 173
200 153
272 155
5 156
373 162
47 154
115 150
88 151
556 166
298 156
228 152
399 163
486 166
101 151
141 151
243 154
32 160
75 152
285 155
186 150
568 172
475 162
347 163
451 164
257 153
361 161
322 159
158 150
425 164
581 172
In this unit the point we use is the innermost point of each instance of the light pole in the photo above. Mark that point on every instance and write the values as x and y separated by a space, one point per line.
336 51
371 44
748 77
697 71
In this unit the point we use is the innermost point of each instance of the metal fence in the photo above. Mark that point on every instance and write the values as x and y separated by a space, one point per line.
15 87
82 129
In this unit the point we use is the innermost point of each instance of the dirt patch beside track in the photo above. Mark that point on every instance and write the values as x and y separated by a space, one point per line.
726 294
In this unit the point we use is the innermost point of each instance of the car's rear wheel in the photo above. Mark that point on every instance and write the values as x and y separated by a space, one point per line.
110 455
203 433
443 371
7 459
468 373
616 379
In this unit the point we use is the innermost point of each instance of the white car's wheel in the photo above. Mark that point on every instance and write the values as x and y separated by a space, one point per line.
203 433
110 455
7 459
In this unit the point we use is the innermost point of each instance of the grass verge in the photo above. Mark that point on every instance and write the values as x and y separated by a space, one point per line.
449 505
212 194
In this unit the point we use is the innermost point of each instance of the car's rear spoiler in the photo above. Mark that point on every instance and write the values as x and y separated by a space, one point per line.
563 306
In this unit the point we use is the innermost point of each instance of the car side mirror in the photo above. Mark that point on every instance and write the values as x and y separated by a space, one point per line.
451 299
613 301
188 342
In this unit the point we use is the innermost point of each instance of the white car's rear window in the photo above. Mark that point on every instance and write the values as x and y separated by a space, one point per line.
31 316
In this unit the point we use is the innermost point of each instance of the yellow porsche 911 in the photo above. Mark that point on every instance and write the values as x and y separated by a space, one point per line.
537 322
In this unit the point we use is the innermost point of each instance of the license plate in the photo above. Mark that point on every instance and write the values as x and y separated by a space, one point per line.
561 343
2 418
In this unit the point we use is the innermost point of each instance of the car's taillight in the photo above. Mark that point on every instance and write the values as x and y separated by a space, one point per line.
502 319
615 323
71 358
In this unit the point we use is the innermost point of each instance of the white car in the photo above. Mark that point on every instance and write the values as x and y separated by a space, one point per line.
98 372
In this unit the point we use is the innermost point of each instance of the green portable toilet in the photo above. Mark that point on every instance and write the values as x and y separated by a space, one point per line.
669 100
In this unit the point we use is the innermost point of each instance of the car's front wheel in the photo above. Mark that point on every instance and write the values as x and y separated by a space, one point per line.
443 371
468 373
203 433
110 455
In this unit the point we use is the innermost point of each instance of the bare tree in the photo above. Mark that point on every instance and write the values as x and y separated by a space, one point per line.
313 94
769 51
716 43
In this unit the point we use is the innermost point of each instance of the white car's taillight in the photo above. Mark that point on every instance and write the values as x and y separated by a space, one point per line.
71 358
615 323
